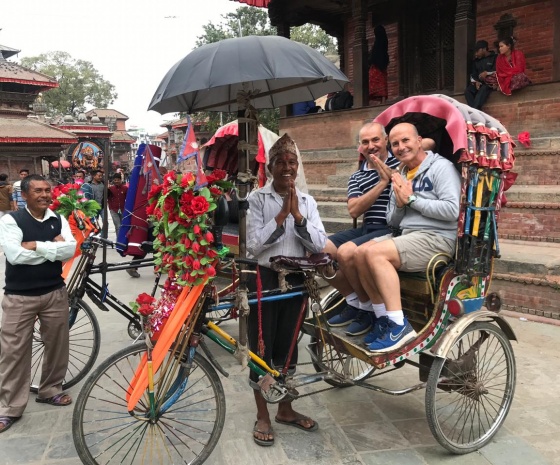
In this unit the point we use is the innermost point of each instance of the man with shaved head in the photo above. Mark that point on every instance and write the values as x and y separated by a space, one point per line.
424 205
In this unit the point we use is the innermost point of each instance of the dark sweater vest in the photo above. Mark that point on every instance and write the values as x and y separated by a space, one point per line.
35 279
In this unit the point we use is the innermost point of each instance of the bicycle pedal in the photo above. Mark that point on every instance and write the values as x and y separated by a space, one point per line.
266 382
271 390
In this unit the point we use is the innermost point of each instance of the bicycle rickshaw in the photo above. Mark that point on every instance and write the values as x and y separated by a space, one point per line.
166 404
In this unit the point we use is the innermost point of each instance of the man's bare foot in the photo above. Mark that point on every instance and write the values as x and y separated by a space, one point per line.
263 434
298 421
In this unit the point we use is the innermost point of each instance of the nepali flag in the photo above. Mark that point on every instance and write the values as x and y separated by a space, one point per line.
189 149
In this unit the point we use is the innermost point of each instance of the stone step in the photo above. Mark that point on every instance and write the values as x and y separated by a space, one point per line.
319 170
524 193
527 277
337 180
322 192
347 154
334 210
334 225
528 257
530 221
346 169
537 167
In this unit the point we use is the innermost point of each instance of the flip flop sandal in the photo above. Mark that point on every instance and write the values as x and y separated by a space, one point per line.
263 442
58 400
295 423
7 423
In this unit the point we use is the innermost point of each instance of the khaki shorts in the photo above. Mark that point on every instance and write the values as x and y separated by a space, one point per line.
417 248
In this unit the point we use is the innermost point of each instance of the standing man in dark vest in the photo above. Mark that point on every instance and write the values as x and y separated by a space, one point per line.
35 241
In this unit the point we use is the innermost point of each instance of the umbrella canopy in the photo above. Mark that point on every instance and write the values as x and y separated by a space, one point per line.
272 71
65 164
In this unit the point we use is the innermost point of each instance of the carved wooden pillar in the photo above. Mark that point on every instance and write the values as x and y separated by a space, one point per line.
465 30
341 51
556 42
359 54
283 30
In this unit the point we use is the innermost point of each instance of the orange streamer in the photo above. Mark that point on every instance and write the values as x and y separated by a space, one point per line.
183 307
79 234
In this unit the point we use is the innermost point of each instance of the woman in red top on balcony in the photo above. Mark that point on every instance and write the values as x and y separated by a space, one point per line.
510 67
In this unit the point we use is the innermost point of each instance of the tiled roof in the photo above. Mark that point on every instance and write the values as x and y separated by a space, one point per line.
84 130
105 112
123 137
12 72
180 123
24 130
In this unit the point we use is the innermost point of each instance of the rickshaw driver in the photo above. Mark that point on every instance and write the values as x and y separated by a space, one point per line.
280 220
424 204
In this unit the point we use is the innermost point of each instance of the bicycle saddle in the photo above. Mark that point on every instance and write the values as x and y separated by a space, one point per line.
301 263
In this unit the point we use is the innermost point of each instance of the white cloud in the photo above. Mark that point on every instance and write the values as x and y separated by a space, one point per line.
132 44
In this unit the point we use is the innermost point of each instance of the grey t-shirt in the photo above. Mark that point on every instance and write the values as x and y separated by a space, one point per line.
97 192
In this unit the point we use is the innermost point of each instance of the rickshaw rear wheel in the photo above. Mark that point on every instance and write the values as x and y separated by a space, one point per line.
470 390
333 303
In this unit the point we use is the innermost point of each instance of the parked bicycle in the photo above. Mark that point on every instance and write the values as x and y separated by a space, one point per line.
85 334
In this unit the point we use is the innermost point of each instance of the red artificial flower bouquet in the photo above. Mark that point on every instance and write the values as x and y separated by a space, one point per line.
181 214
70 201
69 198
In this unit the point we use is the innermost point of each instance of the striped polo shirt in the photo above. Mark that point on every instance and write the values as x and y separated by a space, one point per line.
364 180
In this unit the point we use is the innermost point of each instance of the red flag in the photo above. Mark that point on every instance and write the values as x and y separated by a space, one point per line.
201 180
190 146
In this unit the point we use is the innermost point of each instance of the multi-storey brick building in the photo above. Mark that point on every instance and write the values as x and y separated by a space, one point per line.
431 46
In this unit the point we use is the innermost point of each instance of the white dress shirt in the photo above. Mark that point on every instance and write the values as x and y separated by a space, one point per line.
11 237
266 239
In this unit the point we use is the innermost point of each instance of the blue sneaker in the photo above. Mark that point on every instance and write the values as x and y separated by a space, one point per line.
394 337
378 330
362 323
345 317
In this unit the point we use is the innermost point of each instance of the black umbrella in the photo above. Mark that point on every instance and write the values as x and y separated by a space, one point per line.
271 70
237 74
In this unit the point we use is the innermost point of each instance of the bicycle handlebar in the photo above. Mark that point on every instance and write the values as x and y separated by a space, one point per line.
146 246
244 261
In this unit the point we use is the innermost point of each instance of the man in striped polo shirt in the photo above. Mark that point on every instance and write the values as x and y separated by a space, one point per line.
368 195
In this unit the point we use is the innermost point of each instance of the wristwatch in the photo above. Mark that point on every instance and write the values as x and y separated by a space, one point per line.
411 199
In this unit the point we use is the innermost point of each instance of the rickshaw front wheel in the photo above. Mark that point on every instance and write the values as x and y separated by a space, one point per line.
470 391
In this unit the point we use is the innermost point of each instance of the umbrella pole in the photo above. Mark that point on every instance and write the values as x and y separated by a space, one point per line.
243 192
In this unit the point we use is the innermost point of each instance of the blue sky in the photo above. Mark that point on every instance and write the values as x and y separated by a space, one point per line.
132 44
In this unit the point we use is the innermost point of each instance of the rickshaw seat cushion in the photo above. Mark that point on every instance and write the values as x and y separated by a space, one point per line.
301 263
419 275
418 281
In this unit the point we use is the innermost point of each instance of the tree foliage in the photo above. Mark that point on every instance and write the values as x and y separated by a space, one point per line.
245 21
80 84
